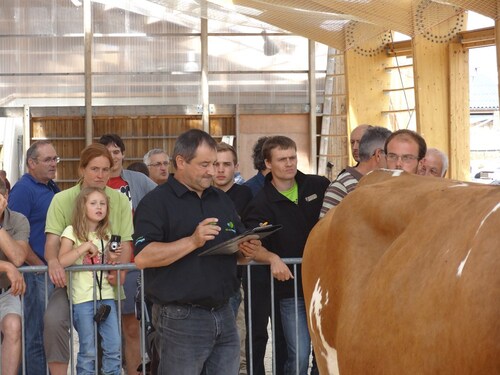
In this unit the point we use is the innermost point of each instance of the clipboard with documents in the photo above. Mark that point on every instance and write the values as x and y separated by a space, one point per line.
231 246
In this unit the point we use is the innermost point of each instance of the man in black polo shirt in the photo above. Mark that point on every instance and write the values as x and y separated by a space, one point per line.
173 224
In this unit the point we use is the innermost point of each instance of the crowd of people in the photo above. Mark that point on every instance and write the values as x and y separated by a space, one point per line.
163 222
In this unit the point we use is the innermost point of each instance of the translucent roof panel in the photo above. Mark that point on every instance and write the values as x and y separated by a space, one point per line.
146 54
257 52
40 17
259 88
151 49
128 17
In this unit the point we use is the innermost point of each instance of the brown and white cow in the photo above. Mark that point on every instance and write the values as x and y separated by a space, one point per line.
403 277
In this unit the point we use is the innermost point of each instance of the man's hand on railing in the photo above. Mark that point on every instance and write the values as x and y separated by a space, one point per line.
56 273
279 269
17 284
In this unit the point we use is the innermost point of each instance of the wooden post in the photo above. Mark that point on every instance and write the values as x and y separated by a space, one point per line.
366 79
313 150
442 98
459 144
431 72
205 102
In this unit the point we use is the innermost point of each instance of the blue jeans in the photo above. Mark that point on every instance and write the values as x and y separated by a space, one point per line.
300 349
193 340
83 319
234 302
34 309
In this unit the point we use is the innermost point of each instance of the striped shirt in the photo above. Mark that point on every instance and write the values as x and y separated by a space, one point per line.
338 189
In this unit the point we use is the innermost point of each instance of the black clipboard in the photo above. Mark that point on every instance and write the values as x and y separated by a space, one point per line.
231 246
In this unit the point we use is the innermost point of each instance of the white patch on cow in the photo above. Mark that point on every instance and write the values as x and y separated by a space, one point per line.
462 264
487 216
315 308
463 184
395 172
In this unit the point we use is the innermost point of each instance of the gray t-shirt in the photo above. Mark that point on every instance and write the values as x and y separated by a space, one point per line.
18 227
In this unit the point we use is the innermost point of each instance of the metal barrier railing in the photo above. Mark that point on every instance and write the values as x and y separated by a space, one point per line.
48 285
131 266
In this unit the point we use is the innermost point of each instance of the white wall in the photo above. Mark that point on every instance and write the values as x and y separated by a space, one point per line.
11 128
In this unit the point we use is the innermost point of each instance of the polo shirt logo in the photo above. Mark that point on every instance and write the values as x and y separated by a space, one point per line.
139 240
230 227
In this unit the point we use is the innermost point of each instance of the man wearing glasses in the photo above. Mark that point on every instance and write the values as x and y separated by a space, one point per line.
404 150
31 196
371 156
157 161
434 164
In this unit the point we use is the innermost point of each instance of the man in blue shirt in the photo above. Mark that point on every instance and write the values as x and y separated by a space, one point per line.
31 196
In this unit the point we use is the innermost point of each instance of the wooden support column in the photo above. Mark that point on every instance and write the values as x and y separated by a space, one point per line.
442 98
313 150
459 143
205 100
366 79
432 109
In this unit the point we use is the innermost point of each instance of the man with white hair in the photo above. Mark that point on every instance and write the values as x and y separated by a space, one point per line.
435 163
157 161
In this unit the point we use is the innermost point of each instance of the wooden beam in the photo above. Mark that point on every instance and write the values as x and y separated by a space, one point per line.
477 38
469 39
402 48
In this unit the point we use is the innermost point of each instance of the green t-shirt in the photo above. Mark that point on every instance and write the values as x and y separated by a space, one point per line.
292 193
60 212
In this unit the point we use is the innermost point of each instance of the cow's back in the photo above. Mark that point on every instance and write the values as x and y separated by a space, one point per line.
403 277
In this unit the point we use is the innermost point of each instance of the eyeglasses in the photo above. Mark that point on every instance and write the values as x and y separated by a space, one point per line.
55 159
404 158
159 164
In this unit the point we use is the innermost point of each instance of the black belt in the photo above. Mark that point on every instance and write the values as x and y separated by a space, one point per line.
209 305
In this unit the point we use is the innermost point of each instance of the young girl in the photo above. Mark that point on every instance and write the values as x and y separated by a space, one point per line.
85 242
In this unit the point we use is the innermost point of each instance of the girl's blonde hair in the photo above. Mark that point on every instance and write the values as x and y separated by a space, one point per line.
80 227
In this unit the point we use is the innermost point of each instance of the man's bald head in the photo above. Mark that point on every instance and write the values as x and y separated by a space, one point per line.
356 135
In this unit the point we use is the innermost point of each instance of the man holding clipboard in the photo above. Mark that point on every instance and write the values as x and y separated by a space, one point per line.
173 224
